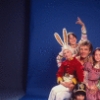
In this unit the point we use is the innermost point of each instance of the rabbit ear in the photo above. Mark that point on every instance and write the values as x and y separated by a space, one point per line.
58 38
65 36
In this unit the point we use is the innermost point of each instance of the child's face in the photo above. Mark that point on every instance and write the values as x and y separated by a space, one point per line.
97 55
67 54
72 40
80 97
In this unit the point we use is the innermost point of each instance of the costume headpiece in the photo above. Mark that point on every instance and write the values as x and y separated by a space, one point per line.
80 87
64 44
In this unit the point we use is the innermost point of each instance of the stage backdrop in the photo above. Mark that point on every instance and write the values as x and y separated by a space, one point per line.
47 17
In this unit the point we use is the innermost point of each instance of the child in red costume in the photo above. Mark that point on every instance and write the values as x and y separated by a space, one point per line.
70 67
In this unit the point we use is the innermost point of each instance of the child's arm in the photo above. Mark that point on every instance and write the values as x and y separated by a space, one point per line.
83 30
60 72
85 77
59 59
69 85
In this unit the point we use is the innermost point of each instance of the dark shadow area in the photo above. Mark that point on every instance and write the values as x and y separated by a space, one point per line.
26 43
14 38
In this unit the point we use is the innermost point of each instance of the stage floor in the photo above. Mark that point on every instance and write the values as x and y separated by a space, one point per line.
11 95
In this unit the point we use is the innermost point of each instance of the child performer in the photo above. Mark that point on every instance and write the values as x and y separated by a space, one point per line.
92 76
67 73
79 92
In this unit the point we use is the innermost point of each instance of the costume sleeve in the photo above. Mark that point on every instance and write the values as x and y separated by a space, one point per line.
87 67
83 35
85 77
59 59
61 70
79 71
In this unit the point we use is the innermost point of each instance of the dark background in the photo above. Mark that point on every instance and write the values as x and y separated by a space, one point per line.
28 49
14 36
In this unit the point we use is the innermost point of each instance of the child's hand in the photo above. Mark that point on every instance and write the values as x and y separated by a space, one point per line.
93 89
79 21
87 86
69 85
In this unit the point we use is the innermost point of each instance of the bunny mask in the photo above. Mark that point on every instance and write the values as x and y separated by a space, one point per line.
64 44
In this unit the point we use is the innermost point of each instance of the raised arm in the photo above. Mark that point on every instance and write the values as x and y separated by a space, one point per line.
83 30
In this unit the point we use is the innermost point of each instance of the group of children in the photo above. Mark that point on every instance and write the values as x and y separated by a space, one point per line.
76 80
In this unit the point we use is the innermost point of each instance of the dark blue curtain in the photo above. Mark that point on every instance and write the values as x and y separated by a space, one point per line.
47 17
